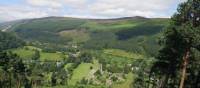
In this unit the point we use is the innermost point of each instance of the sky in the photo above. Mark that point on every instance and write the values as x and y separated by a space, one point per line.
102 9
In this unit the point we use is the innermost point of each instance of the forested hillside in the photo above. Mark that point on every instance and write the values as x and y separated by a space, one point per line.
135 34
9 40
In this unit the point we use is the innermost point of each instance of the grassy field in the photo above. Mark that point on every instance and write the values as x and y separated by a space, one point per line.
68 65
122 53
82 71
51 56
25 53
107 26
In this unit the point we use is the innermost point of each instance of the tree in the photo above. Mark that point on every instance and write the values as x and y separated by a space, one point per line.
53 79
36 73
86 57
36 56
19 72
13 69
6 68
180 39
141 70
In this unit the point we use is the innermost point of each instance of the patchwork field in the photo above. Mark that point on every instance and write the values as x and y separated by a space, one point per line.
29 51
51 56
24 54
122 53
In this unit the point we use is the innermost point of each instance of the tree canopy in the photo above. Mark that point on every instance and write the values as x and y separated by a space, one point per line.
177 59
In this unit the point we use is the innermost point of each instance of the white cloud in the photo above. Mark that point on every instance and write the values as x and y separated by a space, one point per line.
76 3
89 8
13 13
46 3
113 8
121 8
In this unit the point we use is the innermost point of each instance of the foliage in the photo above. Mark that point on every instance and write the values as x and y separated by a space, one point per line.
180 42
86 53
12 68
36 55
8 41
127 84
122 33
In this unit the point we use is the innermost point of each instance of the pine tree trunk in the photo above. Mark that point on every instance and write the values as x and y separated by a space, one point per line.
165 81
161 83
197 85
19 84
35 84
10 79
184 70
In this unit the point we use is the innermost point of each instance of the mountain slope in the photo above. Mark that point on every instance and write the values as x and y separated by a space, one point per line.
136 34
9 41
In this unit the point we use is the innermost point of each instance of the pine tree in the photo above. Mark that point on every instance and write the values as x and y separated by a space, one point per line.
179 41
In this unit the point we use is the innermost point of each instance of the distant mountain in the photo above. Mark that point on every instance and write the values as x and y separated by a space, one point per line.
133 18
54 18
128 33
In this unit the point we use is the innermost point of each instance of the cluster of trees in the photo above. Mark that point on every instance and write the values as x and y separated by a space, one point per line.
13 71
47 74
77 56
48 47
16 73
9 40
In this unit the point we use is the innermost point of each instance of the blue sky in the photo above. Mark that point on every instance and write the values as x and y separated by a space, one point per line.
22 9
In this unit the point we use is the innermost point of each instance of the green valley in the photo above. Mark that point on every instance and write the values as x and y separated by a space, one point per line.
88 53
